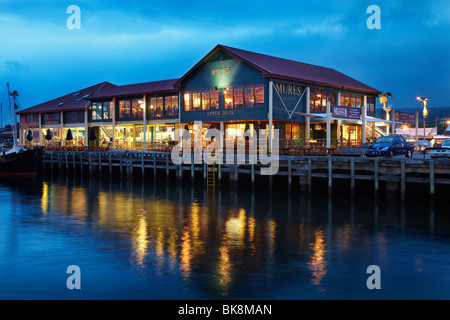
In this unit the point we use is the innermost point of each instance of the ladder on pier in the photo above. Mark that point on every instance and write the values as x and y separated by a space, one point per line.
211 174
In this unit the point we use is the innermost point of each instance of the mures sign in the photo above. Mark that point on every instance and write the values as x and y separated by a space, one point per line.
288 89
346 112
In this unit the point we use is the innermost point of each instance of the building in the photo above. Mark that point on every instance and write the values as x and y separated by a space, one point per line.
228 89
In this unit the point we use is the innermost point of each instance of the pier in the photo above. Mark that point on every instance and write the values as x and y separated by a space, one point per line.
395 174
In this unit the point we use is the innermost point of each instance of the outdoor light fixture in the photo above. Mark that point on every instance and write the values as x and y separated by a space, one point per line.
425 112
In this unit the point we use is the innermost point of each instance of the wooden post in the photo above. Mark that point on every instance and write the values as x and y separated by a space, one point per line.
110 165
236 170
131 163
192 167
403 180
432 178
330 175
100 163
81 161
121 164
376 175
167 165
74 162
289 174
253 175
67 160
90 162
154 165
309 174
352 176
51 160
142 163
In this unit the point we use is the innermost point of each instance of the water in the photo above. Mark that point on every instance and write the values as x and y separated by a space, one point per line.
162 241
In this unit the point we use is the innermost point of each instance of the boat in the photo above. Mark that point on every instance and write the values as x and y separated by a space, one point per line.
16 160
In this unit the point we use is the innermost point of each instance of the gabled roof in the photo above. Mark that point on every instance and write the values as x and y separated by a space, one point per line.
73 101
135 89
291 70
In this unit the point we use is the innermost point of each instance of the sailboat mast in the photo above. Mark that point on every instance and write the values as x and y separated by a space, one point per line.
13 114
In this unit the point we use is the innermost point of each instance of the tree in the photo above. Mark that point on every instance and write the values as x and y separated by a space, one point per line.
48 135
29 135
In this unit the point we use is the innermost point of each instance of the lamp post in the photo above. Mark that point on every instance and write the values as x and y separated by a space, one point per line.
425 112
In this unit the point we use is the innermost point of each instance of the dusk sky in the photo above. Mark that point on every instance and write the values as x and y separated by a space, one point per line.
133 41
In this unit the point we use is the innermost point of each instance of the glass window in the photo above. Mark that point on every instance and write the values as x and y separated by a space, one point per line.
371 104
56 117
249 96
196 100
107 110
159 111
137 111
238 97
168 110
228 97
259 95
206 103
214 99
187 101
96 111
174 105
124 109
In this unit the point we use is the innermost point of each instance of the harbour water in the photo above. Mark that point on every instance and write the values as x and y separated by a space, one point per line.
164 240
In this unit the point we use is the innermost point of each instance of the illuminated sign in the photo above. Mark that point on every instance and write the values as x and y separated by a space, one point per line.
346 112
220 71
288 89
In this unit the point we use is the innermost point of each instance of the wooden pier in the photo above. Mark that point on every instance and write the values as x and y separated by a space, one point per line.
395 173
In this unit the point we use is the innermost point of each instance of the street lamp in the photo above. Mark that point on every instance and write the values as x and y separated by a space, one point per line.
425 112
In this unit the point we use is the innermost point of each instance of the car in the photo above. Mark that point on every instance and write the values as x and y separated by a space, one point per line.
443 151
423 144
391 146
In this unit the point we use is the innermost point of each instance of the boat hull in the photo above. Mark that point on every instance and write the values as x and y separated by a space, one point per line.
23 163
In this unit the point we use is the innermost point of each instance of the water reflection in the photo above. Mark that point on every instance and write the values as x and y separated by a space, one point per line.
230 243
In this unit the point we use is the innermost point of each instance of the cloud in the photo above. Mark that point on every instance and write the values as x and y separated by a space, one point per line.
15 66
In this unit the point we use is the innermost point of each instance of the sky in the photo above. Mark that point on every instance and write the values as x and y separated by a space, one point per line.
131 41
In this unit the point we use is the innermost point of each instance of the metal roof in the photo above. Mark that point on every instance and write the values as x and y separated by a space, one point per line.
76 100
291 70
136 89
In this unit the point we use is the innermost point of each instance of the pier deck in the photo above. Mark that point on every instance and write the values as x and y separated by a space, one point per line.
395 173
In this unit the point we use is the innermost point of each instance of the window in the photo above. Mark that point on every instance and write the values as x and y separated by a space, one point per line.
30 118
136 110
107 110
187 101
348 100
196 100
249 96
319 99
371 105
168 108
96 112
228 97
238 97
206 99
259 95
124 108
56 116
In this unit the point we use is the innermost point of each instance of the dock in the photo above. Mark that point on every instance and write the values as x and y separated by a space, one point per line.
397 174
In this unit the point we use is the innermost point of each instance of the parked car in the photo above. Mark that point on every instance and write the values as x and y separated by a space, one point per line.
423 144
391 146
443 151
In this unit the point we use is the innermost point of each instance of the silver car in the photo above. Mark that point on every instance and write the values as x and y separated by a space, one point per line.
443 151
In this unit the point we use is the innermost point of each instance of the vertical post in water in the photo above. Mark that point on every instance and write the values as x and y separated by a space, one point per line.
352 176
432 178
330 175
403 180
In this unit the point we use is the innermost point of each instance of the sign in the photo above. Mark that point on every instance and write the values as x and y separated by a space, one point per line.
346 112
405 117
220 71
288 89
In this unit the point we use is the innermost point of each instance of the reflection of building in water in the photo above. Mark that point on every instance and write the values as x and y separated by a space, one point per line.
140 240
318 264
44 198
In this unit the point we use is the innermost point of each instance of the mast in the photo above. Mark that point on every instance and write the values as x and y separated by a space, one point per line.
14 94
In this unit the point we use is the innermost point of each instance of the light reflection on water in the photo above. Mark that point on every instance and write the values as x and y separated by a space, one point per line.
163 241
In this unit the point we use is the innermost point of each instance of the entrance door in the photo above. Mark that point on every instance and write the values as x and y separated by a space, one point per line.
351 135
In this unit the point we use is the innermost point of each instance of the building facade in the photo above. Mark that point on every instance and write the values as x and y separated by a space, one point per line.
229 89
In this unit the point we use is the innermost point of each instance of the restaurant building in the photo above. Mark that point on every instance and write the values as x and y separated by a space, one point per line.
228 89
